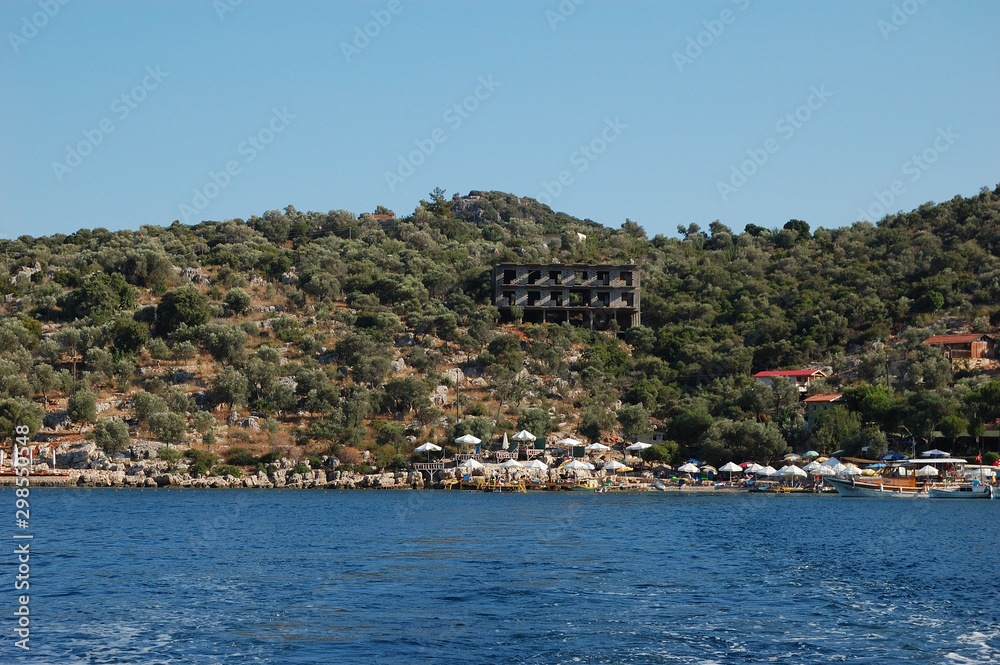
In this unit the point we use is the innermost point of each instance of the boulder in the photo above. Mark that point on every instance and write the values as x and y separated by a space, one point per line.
75 455
398 366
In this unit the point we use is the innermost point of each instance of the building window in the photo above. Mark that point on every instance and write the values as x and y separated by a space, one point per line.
579 276
509 276
603 299
534 276
627 299
557 299
555 276
626 276
603 276
509 297
534 297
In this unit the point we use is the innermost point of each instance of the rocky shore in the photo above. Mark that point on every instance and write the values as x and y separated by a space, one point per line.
85 465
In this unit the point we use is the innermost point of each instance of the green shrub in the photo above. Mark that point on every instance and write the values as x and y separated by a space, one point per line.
300 468
314 461
228 470
241 457
168 454
269 458
112 436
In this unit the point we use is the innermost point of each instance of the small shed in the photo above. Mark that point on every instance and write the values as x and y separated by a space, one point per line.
958 347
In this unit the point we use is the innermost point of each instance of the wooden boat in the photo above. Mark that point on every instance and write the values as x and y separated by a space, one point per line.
877 487
968 491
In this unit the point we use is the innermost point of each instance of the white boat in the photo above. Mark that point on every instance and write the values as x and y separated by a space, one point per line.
969 491
875 489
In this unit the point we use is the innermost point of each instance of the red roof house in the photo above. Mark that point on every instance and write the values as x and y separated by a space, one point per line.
801 378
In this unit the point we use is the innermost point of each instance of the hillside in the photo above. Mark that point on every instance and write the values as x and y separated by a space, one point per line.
360 335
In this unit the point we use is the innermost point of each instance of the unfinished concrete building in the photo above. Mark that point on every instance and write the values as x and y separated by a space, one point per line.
591 296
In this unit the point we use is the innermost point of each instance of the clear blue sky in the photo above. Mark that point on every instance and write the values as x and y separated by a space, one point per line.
183 85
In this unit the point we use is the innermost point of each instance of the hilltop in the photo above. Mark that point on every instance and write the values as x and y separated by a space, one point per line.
307 334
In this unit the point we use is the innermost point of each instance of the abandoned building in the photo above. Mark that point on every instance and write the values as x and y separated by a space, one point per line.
956 347
591 296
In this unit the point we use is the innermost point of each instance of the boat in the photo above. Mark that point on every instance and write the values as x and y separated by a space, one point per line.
877 487
973 490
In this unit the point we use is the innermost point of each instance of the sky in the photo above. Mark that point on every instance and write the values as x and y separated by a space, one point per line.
118 114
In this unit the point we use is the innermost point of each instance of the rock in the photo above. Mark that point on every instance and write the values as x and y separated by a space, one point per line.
456 375
398 366
75 455
251 423
473 371
182 377
56 421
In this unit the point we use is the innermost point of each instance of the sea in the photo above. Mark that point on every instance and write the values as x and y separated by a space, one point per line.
283 576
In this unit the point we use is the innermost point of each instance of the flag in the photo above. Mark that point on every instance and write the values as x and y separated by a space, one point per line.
979 457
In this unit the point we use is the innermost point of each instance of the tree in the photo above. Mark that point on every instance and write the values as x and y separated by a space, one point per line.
666 452
183 306
799 227
536 421
19 412
168 427
229 387
868 442
145 404
634 419
832 428
728 440
128 336
406 393
43 379
82 407
951 427
112 436
237 301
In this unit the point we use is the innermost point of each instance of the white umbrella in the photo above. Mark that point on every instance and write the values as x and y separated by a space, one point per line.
791 457
575 465
754 468
768 471
427 448
732 468
597 448
511 464
926 471
506 444
523 435
812 466
470 464
852 470
782 471
614 465
590 467
569 441
468 439
688 468
536 464
639 446
796 472
832 462
837 468
824 471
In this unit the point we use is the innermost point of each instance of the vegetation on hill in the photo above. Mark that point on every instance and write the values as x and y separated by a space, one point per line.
344 333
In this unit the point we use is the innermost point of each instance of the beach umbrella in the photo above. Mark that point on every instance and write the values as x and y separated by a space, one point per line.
824 471
731 468
590 467
767 470
893 456
791 457
511 464
812 466
639 446
795 472
754 468
470 464
832 462
427 448
709 467
575 465
468 440
810 454
837 468
597 448
934 453
523 435
506 443
614 465
569 441
852 470
688 468
926 471
536 464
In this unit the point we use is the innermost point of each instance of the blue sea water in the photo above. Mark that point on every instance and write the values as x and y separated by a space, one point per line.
271 576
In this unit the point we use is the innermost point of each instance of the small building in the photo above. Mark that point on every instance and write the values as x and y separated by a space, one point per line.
800 378
817 404
956 347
